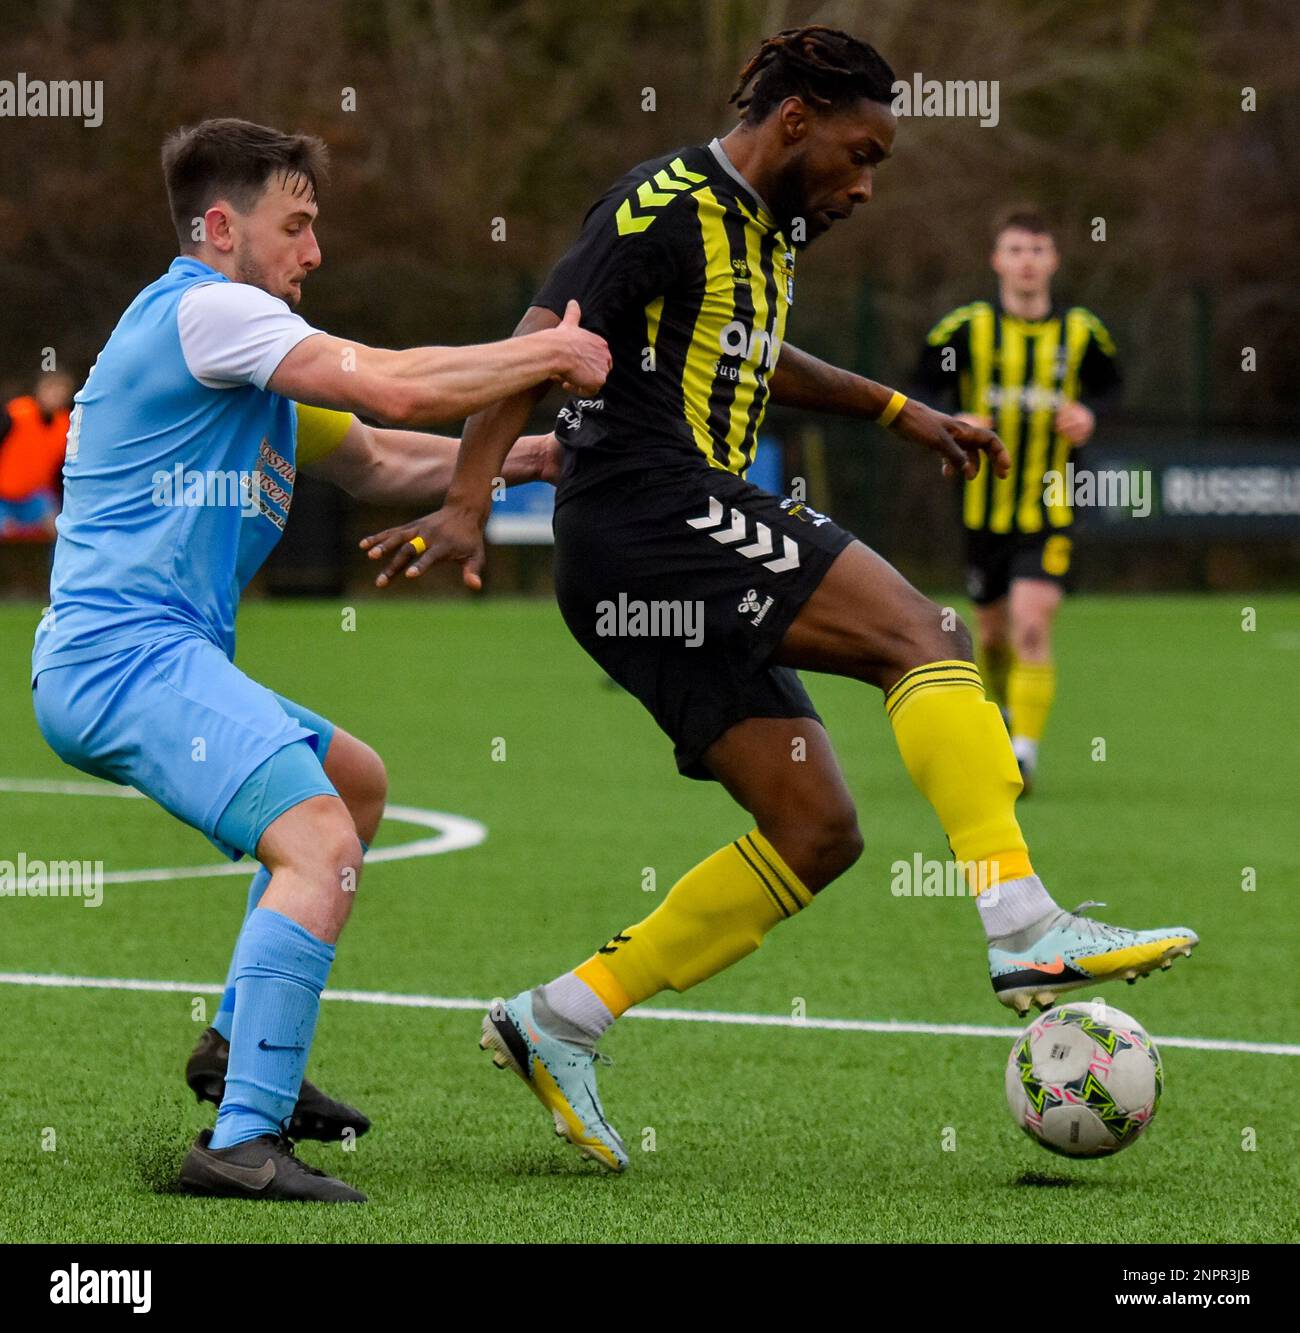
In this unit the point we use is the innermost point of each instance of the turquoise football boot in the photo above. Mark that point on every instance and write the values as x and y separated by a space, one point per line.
1067 951
561 1074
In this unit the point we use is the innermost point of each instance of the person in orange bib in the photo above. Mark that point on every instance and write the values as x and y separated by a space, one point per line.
33 438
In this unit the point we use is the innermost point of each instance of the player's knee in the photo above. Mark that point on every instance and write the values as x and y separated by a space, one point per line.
837 842
330 852
931 633
819 846
845 843
1030 641
961 647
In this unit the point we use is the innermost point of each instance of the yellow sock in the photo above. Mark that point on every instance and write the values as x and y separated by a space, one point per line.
955 747
1032 689
712 917
994 662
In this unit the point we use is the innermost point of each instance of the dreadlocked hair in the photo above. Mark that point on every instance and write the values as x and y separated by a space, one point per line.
826 67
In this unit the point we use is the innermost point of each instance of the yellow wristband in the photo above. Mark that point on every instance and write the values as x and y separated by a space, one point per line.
419 543
892 409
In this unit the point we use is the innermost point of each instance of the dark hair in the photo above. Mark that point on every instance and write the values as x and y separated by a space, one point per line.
824 66
1020 217
234 159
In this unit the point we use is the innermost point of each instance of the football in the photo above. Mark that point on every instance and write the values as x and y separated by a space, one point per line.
1084 1080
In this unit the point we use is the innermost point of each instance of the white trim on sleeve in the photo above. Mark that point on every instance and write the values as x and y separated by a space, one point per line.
233 333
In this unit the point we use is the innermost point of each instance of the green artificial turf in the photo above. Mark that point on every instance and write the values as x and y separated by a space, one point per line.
757 1133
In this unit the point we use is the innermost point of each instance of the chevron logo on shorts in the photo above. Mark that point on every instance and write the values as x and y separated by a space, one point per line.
739 529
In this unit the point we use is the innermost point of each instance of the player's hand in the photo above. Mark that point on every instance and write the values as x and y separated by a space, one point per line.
584 356
975 419
958 441
452 534
1075 422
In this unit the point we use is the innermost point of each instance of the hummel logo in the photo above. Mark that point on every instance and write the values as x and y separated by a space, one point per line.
751 606
1051 969
670 182
264 1045
738 531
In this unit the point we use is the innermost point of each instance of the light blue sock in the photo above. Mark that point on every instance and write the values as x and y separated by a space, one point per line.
225 1018
226 1014
280 974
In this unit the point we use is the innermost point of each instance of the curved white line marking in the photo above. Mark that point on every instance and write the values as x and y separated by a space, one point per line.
453 833
668 1015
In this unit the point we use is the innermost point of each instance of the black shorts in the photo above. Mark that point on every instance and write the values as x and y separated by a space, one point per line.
681 582
995 559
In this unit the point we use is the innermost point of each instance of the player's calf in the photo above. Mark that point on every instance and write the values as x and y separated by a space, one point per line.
283 960
784 772
818 844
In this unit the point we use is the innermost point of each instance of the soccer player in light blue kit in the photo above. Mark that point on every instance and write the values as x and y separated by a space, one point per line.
182 455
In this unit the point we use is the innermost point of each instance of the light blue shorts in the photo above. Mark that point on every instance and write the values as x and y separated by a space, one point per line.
177 720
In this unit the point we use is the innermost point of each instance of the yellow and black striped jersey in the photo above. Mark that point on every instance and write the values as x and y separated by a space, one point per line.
1019 372
681 267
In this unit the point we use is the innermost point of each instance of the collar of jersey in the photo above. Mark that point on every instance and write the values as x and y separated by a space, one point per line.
721 158
187 264
1029 325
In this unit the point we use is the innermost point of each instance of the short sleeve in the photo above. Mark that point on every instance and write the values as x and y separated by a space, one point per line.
618 264
1099 374
938 371
953 330
234 333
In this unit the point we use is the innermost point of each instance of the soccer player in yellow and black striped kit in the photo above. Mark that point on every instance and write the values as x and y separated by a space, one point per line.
686 267
1038 374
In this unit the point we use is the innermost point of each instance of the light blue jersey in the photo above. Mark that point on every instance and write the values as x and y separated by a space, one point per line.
175 490
177 485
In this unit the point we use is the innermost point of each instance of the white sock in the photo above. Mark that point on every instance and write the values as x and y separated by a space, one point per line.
1014 904
1025 750
569 999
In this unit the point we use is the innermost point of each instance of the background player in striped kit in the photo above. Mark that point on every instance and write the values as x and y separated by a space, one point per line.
1039 374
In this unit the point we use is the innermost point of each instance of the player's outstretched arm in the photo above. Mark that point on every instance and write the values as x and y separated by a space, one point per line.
426 384
801 380
383 466
455 532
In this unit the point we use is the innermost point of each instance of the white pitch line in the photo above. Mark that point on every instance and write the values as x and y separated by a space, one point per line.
664 1015
453 833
